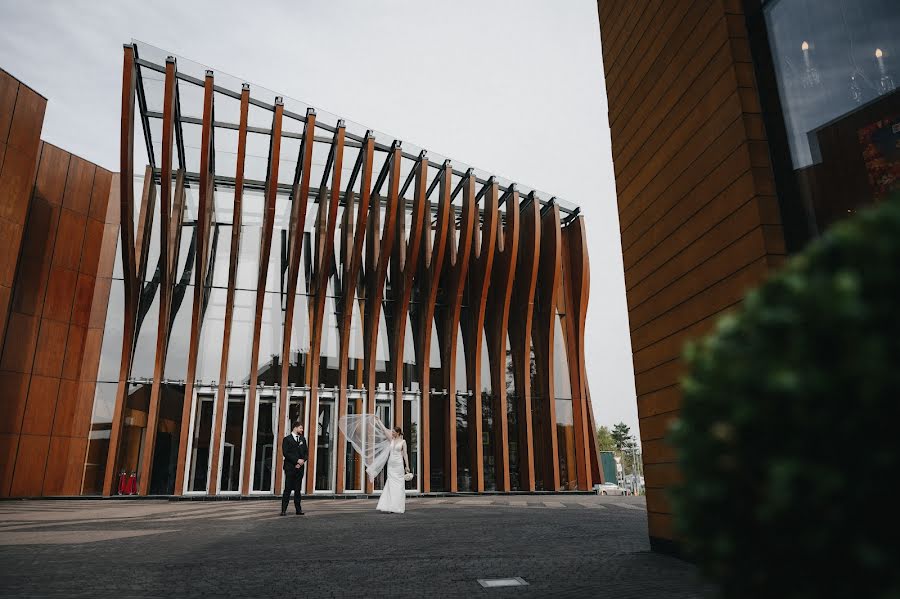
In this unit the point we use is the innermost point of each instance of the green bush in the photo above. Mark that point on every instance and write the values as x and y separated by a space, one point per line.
788 436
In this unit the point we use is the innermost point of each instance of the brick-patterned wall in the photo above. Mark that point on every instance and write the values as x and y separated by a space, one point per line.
57 311
698 214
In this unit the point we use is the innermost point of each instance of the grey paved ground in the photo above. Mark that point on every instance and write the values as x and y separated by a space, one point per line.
572 546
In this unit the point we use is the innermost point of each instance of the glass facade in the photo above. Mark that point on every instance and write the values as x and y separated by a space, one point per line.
837 69
228 387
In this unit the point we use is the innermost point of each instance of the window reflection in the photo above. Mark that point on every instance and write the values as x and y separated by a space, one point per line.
251 230
98 440
239 352
232 444
326 422
144 357
837 68
264 451
212 334
111 348
565 443
270 340
562 387
201 440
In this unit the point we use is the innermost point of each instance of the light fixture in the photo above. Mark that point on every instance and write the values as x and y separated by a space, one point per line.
810 77
885 82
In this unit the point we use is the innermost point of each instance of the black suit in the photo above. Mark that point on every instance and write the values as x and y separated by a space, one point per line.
293 477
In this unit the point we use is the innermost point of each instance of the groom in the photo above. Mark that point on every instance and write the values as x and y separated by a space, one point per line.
295 452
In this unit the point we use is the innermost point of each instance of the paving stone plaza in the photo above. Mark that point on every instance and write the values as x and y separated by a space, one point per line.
562 546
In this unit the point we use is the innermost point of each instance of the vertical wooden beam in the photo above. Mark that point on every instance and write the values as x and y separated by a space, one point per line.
204 214
378 254
522 304
479 281
543 335
296 228
576 285
325 254
497 330
407 257
457 267
265 248
219 408
126 230
432 265
162 335
351 263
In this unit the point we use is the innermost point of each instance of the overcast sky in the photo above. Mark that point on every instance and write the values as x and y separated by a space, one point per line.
513 87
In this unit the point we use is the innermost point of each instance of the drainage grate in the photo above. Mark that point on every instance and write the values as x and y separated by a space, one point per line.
490 583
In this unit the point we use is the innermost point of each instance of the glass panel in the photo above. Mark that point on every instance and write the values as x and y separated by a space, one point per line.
233 444
462 382
239 353
512 414
565 443
144 358
150 273
264 455
541 443
201 444
98 440
383 349
329 367
562 387
355 351
251 229
384 409
134 420
299 341
219 254
180 332
463 454
353 466
837 65
111 348
212 336
325 448
411 432
168 437
270 340
437 432
276 277
487 442
297 413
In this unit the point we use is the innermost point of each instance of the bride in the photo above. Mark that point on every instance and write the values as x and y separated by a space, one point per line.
380 447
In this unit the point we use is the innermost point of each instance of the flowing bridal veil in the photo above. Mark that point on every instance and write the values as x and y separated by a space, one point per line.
370 438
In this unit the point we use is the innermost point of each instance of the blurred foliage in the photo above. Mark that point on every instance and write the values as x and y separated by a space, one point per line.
788 437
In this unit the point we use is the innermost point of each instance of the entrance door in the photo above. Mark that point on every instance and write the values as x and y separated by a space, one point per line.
200 443
233 430
264 443
412 432
326 443
384 409
354 470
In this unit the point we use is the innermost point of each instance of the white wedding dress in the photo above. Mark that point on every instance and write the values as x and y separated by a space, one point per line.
393 496
372 439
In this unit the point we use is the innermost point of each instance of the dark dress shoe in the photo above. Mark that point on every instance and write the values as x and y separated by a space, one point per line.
300 514
283 514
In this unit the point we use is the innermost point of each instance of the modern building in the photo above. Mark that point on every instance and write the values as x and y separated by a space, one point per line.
257 262
740 130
